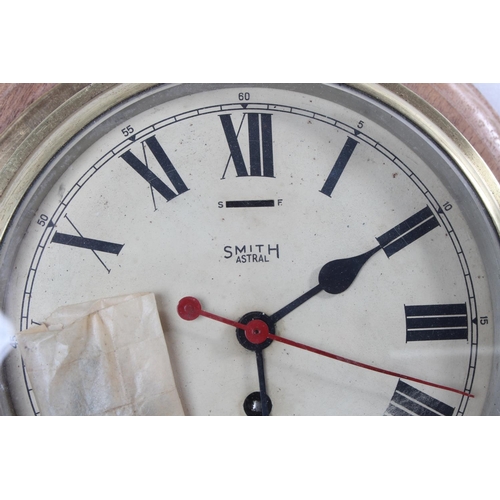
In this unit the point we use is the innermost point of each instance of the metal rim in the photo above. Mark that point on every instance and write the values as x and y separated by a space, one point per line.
446 136
44 129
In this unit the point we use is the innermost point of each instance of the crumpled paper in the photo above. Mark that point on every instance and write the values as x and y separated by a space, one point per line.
105 357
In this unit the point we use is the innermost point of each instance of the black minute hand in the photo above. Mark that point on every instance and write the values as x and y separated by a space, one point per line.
338 275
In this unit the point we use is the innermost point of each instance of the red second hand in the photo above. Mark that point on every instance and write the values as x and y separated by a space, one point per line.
363 365
189 308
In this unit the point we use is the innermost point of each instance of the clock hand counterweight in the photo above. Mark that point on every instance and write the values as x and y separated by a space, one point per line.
257 331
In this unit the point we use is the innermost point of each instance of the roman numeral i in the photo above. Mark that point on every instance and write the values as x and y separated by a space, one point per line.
339 166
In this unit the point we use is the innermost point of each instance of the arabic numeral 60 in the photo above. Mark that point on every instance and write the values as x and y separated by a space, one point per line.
244 96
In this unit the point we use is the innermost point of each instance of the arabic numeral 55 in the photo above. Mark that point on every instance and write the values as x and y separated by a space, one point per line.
42 220
128 130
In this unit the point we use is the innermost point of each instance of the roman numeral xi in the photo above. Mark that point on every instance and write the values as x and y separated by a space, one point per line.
142 168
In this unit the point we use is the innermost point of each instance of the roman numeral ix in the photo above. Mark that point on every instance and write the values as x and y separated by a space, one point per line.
80 241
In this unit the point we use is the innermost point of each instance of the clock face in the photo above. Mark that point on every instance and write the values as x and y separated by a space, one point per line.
324 218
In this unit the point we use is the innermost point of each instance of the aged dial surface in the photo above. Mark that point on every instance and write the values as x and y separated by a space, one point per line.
312 209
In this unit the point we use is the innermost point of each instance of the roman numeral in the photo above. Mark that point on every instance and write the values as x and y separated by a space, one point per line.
260 145
408 231
408 401
149 176
436 322
81 241
339 166
88 243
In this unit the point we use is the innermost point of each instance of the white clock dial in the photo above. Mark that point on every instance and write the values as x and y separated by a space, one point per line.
240 196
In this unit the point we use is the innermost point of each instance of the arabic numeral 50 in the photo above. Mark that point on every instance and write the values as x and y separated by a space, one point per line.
42 220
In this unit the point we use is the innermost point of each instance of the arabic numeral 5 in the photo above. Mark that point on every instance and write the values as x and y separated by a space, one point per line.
128 130
42 220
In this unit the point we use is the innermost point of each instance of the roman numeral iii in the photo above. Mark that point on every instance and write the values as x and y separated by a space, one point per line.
436 322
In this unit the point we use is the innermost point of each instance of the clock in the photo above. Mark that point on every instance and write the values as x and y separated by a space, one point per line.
313 249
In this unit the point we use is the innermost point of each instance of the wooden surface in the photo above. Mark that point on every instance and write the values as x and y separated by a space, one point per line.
16 97
462 104
466 108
